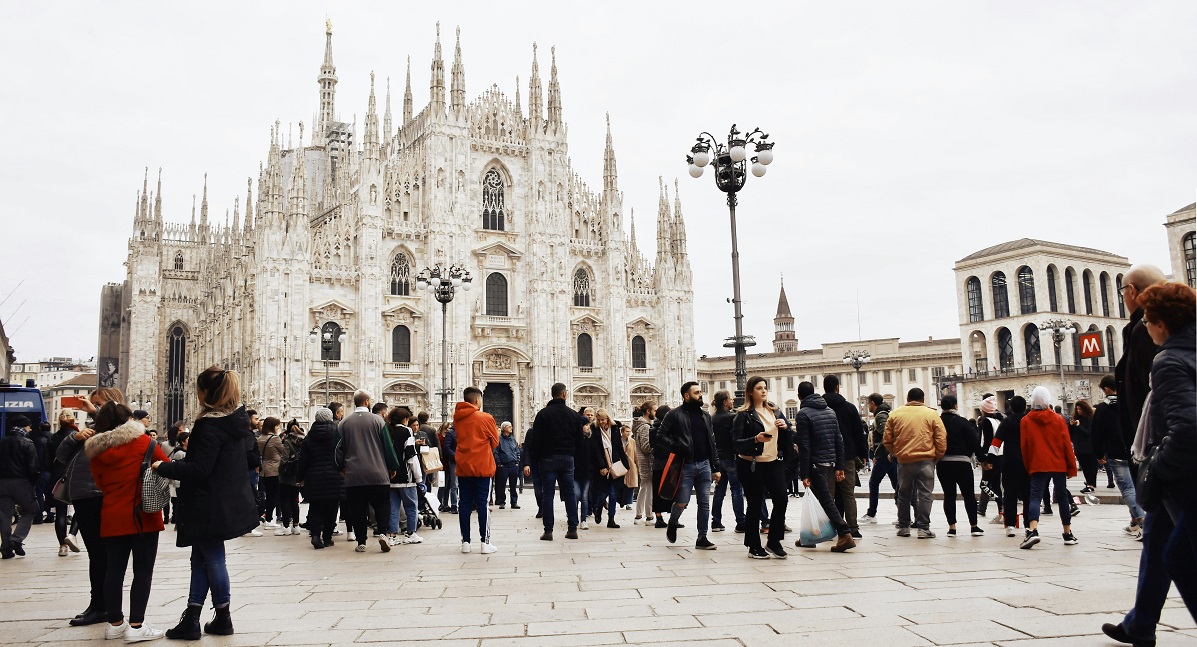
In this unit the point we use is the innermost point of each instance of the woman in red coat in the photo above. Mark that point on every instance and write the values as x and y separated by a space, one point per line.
1048 455
115 458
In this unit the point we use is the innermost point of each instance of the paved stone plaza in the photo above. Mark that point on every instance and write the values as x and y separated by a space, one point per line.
629 586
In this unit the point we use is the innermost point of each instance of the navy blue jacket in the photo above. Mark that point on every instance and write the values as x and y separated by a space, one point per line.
1173 411
819 439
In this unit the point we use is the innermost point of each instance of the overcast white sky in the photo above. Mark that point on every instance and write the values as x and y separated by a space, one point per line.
908 134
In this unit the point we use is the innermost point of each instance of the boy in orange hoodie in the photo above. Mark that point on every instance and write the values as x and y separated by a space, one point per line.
477 438
1048 454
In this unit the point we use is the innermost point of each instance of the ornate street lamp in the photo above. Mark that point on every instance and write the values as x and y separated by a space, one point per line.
857 358
1060 329
730 162
326 344
444 282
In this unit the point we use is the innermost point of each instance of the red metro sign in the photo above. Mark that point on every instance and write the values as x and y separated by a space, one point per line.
1090 345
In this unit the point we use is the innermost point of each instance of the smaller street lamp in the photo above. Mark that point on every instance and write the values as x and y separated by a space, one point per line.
1060 329
326 345
857 358
444 282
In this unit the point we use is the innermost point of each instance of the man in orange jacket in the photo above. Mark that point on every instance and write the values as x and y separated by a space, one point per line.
477 438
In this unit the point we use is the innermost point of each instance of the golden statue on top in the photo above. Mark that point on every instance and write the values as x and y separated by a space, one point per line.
328 25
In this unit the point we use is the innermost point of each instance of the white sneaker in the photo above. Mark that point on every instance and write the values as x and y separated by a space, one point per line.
413 539
360 548
63 550
253 533
282 532
144 632
583 526
465 546
868 519
336 532
112 633
489 548
295 529
1011 532
394 540
269 524
349 536
998 519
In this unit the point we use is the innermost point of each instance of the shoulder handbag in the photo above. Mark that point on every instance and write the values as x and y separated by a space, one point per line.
430 460
62 489
1149 491
671 477
155 491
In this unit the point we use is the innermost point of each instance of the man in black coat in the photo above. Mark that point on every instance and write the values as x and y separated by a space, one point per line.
687 432
18 472
855 451
721 422
556 433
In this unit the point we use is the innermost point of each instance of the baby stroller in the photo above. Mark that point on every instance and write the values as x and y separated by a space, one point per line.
427 517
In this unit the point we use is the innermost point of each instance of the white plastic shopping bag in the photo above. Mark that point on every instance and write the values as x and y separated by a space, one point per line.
813 525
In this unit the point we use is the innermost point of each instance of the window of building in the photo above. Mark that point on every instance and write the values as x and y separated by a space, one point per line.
585 351
1001 301
178 261
177 377
1005 348
1030 336
1110 346
1121 303
492 201
401 345
401 275
330 342
791 412
888 376
1087 284
913 375
496 295
790 382
1052 303
581 288
1105 294
640 353
937 371
722 384
863 377
1188 247
976 307
1026 290
1069 279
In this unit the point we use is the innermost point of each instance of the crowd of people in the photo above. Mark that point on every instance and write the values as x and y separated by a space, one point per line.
374 468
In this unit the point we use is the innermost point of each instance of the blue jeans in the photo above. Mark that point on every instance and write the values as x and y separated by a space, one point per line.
1126 485
558 471
882 467
1180 554
1154 580
582 493
475 495
506 479
731 476
696 477
208 572
608 489
447 494
406 497
1039 482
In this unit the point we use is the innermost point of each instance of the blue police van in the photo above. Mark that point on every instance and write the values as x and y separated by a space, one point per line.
25 400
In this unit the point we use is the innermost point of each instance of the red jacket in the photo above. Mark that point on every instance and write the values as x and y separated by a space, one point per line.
477 438
115 457
1046 446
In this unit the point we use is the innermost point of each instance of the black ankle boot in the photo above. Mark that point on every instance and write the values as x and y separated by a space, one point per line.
188 627
222 623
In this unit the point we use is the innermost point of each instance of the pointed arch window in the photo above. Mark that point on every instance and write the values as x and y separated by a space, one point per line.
1052 303
179 261
639 352
401 275
1005 348
976 308
581 288
1030 336
493 215
496 295
1105 294
401 345
1188 247
176 372
585 351
1069 291
1001 301
1026 291
331 333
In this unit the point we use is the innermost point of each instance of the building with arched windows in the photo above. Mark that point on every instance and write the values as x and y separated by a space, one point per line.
1003 349
1182 244
340 221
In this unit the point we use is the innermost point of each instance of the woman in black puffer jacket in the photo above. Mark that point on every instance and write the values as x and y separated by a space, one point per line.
323 484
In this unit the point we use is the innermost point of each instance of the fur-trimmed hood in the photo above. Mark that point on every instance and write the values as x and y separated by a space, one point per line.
122 435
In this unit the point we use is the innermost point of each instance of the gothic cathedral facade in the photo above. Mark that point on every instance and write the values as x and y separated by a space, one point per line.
335 229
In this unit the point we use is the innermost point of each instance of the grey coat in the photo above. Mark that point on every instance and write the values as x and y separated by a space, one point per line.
80 483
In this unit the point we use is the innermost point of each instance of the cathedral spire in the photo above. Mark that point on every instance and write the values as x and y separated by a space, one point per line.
664 223
386 119
518 109
632 236
554 94
204 212
328 88
535 95
407 100
143 210
610 175
436 88
236 216
370 141
679 223
158 199
249 205
457 95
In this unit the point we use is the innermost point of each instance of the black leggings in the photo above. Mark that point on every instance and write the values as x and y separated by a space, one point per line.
322 519
269 485
1088 467
144 549
955 475
288 496
767 477
1016 486
87 516
60 520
